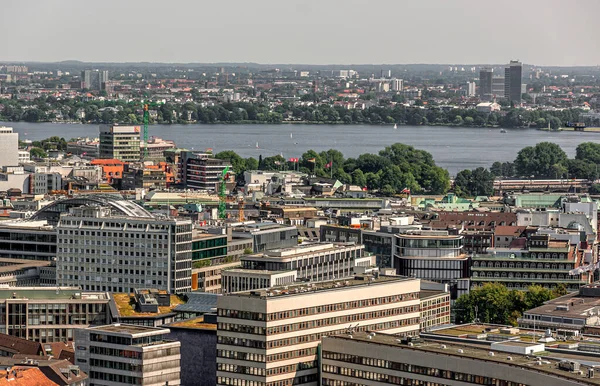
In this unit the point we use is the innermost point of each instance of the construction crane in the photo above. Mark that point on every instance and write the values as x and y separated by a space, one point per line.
223 193
146 122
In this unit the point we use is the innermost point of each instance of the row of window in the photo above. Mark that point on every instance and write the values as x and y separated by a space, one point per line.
262 372
285 382
243 342
403 367
396 380
318 309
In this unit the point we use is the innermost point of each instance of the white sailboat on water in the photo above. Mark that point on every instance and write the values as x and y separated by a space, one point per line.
257 145
291 135
395 126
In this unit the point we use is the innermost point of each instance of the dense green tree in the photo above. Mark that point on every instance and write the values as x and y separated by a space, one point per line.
538 160
495 303
358 178
589 152
37 152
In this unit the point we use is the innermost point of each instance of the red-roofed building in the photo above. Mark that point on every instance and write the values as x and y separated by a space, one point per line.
111 168
24 376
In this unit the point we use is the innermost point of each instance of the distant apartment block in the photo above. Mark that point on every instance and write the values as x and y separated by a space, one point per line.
94 79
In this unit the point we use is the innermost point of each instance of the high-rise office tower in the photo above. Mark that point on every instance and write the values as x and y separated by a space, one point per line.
512 81
485 83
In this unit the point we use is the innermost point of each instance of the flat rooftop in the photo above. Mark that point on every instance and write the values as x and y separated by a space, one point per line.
126 306
195 323
424 294
549 364
572 305
129 329
302 249
312 287
50 293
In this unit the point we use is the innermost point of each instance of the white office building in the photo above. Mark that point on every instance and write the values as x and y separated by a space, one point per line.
98 250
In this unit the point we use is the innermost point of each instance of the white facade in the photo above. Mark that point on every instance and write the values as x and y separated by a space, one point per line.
9 147
266 337
98 251
397 84
24 156
236 280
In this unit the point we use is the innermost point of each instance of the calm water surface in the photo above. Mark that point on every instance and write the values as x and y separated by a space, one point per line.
452 148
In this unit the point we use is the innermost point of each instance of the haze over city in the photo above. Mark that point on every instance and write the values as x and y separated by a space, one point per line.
559 33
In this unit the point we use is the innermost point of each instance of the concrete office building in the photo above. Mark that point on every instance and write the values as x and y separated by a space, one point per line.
267 235
310 262
9 147
50 314
512 81
272 337
485 83
120 142
121 354
379 359
433 255
27 240
103 252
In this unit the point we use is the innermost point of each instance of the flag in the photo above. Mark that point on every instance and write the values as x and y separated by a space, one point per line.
277 163
329 164
313 160
209 150
293 160
364 188
405 190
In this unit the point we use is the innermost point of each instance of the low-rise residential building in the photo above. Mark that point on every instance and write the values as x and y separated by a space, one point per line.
120 354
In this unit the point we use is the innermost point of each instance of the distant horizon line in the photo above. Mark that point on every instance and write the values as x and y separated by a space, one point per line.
74 61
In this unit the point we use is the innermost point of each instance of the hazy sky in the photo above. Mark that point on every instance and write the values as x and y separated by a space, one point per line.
543 32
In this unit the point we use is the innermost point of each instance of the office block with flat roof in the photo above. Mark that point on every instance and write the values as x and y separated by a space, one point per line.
100 251
122 354
120 142
271 337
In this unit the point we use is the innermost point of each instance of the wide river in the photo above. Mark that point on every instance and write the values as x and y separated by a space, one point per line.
452 148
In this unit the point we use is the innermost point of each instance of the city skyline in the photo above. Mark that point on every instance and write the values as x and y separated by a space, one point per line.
330 33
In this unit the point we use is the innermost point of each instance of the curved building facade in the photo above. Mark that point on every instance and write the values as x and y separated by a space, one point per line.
118 206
